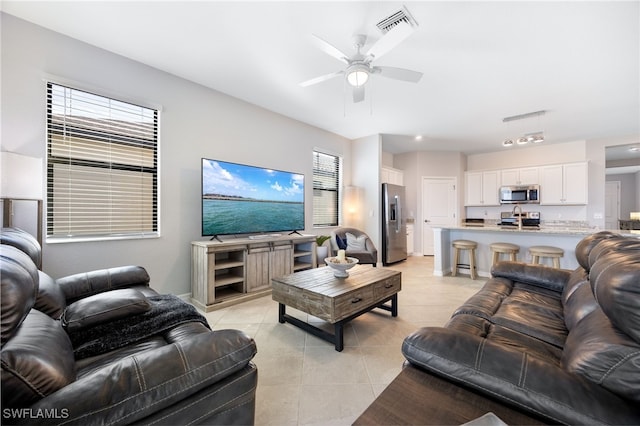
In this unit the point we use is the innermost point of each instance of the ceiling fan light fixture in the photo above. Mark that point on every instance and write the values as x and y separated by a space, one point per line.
357 75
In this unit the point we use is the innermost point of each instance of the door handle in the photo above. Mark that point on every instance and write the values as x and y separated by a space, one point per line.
426 220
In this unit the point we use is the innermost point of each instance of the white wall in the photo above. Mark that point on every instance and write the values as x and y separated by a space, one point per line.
528 156
366 154
195 122
417 165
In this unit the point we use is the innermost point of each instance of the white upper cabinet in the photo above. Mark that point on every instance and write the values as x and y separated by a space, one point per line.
481 188
523 176
393 176
564 184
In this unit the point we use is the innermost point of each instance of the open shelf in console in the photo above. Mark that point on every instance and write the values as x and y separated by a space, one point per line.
228 272
303 255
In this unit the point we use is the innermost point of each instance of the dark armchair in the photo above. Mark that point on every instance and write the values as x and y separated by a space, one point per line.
356 244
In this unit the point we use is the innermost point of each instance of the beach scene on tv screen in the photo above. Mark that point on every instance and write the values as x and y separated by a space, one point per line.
238 199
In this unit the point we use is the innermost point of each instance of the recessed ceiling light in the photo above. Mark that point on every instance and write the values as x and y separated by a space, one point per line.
507 142
418 137
634 149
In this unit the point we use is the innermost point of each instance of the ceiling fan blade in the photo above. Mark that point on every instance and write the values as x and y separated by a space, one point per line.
398 74
358 94
330 49
394 37
320 79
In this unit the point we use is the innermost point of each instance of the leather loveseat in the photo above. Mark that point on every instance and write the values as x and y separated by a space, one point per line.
104 348
562 346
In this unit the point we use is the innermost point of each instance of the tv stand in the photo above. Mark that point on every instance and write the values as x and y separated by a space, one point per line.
231 271
215 237
294 232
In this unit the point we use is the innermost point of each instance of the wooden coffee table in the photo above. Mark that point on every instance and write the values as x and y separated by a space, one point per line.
335 300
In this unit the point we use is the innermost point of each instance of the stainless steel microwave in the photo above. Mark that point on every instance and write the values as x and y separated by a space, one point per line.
521 194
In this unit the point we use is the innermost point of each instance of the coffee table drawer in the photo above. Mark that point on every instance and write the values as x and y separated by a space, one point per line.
386 288
350 303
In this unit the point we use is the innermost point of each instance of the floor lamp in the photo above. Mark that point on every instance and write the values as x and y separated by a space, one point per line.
20 180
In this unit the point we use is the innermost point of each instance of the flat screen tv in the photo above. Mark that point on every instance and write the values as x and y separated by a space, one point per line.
243 199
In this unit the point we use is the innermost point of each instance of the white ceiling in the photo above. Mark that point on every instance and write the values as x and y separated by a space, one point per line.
482 61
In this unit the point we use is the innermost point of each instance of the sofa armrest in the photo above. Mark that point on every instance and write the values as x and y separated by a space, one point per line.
516 377
140 385
537 275
85 284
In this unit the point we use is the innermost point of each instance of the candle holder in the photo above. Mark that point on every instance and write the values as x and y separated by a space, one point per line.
340 268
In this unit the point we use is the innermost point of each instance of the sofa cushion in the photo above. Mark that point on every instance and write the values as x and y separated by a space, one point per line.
533 311
139 385
615 280
36 362
78 286
584 247
595 349
18 289
577 299
104 307
516 377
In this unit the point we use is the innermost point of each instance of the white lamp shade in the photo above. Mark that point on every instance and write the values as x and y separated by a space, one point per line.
20 176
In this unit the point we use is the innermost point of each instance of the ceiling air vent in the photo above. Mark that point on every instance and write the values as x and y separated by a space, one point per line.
391 21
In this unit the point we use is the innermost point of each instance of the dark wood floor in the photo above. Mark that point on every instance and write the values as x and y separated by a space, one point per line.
418 398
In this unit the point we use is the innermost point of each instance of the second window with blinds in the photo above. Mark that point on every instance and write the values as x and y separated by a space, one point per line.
326 189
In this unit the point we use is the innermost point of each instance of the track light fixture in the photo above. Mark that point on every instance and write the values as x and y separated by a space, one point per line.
534 137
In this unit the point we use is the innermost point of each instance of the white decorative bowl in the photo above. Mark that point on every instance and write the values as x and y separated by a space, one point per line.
340 269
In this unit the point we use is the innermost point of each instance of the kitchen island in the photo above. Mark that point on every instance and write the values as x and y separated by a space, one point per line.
564 238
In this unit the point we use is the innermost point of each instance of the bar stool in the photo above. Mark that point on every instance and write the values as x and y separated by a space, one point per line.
464 245
554 253
504 248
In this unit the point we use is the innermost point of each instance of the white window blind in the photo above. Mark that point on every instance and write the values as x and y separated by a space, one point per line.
326 185
102 166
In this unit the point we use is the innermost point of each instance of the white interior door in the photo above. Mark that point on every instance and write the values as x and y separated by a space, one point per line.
438 208
611 204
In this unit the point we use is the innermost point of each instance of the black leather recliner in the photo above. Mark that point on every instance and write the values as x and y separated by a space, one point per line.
104 348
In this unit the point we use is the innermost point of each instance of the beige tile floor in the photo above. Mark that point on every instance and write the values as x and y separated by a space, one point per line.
302 380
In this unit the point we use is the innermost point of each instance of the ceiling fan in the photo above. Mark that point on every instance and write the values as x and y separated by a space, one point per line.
359 66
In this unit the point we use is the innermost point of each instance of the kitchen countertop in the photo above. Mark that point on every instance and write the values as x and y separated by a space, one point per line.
565 238
542 230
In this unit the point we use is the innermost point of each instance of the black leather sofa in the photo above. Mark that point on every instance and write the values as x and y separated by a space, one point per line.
102 347
562 346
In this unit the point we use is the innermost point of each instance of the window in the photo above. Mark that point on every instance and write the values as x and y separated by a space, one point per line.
326 185
102 166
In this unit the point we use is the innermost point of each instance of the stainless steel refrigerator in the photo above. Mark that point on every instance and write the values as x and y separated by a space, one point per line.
394 227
